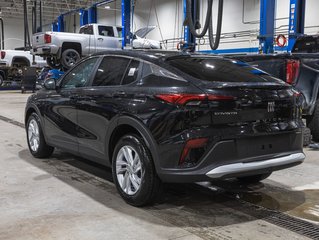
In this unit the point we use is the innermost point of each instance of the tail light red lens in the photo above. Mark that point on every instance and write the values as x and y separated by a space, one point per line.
198 143
292 71
182 98
3 54
47 38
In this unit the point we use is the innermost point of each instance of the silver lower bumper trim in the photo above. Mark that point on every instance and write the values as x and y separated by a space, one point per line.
251 166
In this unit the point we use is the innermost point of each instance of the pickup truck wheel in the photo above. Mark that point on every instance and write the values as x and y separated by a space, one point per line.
69 58
53 63
313 122
1 80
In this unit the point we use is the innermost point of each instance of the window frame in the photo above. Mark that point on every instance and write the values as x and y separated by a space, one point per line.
99 28
98 61
122 78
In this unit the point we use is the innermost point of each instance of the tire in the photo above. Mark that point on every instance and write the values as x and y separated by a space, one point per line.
136 187
313 122
53 63
35 138
306 136
1 80
254 178
69 58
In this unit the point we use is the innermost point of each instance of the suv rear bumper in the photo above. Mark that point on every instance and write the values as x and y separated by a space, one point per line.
240 157
240 168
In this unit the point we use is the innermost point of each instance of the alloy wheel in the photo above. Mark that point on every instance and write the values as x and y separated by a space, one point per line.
33 135
129 170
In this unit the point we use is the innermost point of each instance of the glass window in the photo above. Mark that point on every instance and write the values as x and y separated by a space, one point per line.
119 30
131 72
106 31
87 30
80 75
220 70
307 44
110 71
153 75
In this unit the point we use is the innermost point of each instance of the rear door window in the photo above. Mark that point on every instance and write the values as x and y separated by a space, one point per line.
87 30
220 70
106 31
110 72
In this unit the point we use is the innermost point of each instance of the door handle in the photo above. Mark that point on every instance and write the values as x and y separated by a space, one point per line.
100 39
119 94
80 98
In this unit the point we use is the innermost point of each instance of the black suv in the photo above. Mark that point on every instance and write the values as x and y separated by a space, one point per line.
168 117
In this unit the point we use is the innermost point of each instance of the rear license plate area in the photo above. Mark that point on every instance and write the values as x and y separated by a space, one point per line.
258 146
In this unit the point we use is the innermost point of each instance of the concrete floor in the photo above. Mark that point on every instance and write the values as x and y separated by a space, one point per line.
66 197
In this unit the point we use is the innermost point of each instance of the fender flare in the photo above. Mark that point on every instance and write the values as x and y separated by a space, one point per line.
144 132
36 109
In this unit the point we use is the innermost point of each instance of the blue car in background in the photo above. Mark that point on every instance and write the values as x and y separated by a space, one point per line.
47 73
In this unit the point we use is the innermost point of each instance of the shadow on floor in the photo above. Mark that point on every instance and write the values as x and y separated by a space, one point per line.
220 203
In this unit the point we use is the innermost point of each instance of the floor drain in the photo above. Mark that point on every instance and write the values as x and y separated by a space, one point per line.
299 226
296 225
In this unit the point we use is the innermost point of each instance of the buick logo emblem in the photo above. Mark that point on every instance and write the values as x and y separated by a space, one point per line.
271 107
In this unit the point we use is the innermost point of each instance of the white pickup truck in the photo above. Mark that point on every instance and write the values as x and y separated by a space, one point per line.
61 48
65 49
13 61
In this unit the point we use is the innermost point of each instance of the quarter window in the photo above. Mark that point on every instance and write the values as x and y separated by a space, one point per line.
131 72
110 71
80 75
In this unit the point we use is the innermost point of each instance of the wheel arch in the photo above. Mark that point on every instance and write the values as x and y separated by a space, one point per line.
125 125
72 45
32 109
20 59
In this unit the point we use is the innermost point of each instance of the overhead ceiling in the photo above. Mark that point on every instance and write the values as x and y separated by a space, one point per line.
51 8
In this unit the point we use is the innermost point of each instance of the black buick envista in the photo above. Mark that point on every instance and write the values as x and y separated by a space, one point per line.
168 117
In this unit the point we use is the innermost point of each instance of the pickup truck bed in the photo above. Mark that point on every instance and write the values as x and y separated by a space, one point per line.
300 69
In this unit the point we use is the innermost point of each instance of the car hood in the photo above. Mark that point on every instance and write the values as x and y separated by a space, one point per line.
142 32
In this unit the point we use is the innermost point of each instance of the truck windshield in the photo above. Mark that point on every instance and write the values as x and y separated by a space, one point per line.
220 70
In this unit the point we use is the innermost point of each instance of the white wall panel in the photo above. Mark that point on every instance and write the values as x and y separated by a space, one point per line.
170 19
14 33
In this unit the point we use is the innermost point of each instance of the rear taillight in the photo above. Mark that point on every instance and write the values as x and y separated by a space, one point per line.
183 98
47 38
292 71
3 54
192 152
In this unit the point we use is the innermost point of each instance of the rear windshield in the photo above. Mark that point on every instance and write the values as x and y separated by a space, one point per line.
220 70
306 45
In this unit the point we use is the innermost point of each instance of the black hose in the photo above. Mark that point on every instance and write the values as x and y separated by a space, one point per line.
190 22
2 35
214 43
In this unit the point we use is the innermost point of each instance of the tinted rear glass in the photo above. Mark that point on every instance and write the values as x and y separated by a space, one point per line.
306 45
220 70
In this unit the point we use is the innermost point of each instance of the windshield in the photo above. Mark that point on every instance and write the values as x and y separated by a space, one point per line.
220 70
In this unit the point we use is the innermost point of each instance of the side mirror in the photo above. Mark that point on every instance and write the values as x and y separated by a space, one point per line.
49 84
